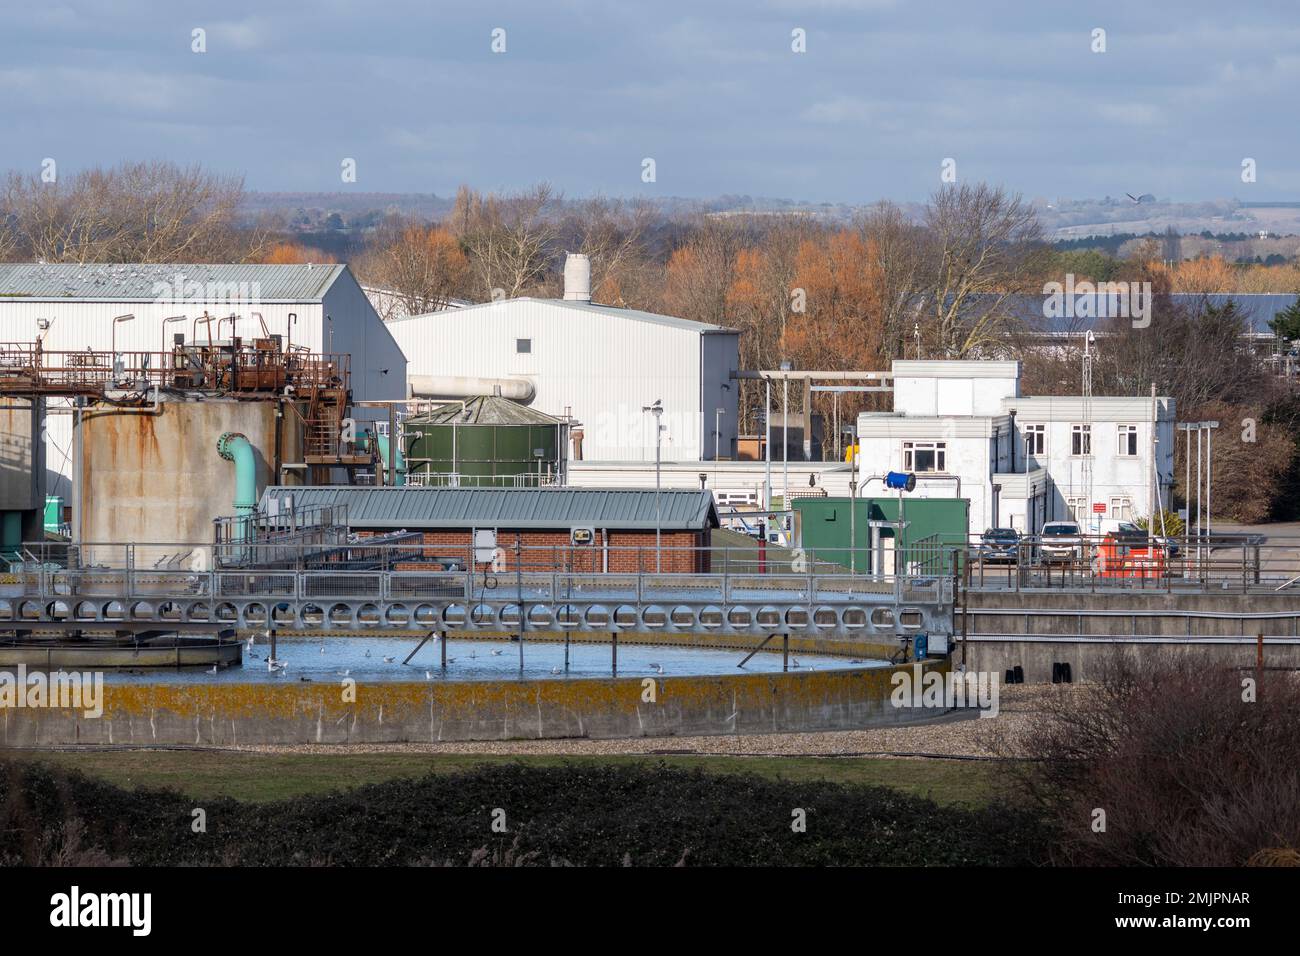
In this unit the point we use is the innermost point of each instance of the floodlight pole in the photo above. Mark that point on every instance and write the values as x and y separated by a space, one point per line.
657 410
1209 472
853 535
767 443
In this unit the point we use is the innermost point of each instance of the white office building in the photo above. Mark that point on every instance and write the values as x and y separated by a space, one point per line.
966 431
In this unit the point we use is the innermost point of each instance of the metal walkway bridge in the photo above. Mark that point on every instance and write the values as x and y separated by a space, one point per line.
743 605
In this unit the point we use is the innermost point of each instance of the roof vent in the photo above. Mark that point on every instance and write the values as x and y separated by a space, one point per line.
577 278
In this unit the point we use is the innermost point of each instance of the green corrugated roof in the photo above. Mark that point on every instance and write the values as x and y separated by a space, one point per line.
417 508
135 282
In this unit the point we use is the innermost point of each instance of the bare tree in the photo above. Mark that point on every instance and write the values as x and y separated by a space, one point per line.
9 240
136 212
423 265
898 246
510 238
982 251
611 233
698 274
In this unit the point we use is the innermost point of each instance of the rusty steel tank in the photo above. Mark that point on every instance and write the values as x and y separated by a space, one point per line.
154 476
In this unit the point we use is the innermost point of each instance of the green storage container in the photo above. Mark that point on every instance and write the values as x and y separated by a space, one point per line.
936 528
489 441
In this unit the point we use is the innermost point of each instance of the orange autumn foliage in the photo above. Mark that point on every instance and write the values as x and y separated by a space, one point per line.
842 325
291 253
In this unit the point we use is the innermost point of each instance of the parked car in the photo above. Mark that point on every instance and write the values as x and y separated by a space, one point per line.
1062 541
999 545
1125 530
1132 535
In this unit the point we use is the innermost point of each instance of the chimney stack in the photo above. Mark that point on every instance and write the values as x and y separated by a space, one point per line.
577 278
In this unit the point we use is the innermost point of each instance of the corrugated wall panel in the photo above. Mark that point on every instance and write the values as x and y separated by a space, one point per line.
603 368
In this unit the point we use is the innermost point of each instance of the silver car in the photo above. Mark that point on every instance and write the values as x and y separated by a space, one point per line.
1061 541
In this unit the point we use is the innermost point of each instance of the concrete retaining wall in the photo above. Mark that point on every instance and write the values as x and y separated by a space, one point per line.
235 714
1034 630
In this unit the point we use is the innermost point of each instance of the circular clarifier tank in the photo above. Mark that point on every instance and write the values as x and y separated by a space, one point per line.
378 659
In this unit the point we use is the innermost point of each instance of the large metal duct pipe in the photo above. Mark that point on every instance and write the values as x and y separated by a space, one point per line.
234 446
469 386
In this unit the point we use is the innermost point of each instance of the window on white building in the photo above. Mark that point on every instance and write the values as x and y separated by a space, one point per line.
1080 439
1078 509
523 345
1121 508
1128 441
1035 439
925 456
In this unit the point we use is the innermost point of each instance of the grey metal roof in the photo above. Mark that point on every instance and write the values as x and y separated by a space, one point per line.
485 410
416 508
1256 308
148 282
613 311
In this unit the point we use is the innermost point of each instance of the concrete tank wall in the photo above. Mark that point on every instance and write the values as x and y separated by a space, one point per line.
223 715
155 476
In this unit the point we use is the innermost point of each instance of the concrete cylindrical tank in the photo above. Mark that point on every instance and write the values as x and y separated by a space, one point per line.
487 442
154 476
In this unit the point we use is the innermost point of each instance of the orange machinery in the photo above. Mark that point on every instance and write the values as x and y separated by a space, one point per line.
1120 557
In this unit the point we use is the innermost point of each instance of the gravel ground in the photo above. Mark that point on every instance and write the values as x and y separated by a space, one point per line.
949 737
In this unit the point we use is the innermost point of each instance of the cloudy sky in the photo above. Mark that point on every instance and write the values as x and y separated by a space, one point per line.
709 89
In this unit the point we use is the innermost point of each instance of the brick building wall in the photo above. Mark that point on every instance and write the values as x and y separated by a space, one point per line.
628 551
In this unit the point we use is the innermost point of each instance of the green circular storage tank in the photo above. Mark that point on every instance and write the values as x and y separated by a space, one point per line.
485 442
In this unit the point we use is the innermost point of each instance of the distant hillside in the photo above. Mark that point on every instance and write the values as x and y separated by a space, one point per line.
351 214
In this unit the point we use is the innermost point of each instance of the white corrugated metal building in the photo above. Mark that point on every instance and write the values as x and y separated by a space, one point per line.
71 308
600 364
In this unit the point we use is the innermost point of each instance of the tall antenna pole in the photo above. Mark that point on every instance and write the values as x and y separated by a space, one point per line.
1085 440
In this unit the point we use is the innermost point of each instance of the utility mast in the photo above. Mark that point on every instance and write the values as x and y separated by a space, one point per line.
1085 440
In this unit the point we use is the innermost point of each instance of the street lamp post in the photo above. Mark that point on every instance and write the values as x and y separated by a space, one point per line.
1209 471
118 366
657 410
170 318
785 433
767 443
116 319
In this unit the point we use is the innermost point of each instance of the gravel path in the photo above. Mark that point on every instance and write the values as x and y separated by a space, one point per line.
959 737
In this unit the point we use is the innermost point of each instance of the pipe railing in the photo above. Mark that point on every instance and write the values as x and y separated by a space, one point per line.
1242 563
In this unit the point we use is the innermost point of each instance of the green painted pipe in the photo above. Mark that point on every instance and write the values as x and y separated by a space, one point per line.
233 446
399 463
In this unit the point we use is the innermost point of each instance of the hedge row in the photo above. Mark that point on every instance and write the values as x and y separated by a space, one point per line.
581 815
